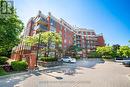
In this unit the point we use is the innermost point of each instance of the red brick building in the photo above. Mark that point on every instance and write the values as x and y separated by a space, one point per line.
81 37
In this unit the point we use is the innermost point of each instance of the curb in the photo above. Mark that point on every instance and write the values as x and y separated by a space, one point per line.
13 75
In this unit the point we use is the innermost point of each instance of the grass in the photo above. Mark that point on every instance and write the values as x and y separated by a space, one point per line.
2 72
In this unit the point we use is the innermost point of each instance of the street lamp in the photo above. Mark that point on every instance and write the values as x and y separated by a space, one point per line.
38 45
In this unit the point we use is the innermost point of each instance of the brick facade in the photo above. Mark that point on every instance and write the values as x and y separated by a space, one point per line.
82 37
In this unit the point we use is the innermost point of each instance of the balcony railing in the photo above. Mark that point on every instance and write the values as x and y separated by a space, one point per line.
41 21
41 27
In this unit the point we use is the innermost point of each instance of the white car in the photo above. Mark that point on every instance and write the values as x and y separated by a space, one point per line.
68 59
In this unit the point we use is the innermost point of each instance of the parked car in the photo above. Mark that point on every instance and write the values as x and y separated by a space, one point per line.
126 63
68 59
121 60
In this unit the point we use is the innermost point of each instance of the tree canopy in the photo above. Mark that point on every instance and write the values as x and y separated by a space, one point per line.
10 28
45 38
104 51
124 51
114 51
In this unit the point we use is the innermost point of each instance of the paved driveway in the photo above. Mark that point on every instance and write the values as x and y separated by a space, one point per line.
85 73
71 68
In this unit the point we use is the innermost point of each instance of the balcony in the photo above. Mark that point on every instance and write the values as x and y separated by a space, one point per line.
78 38
78 42
91 39
41 21
40 27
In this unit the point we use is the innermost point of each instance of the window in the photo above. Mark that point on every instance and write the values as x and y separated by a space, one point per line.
64 35
52 29
60 33
83 45
53 23
79 45
82 33
43 19
65 41
93 33
65 46
78 42
61 27
88 33
65 29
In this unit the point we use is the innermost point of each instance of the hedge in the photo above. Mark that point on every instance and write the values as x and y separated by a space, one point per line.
48 59
3 60
19 65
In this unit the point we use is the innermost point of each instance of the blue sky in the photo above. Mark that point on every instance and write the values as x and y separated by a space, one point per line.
110 17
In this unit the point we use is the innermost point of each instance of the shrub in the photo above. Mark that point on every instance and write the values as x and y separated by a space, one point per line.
3 60
48 59
2 71
19 65
77 57
94 54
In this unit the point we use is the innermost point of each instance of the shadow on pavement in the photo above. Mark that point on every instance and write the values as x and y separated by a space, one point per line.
57 77
66 68
36 73
71 68
13 80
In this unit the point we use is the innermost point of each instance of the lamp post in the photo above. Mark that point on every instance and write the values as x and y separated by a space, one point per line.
38 48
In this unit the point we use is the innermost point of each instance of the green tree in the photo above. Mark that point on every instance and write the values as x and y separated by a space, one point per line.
73 50
94 54
105 51
124 51
10 28
47 39
114 50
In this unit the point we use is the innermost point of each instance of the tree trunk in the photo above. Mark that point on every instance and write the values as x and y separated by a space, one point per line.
45 52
